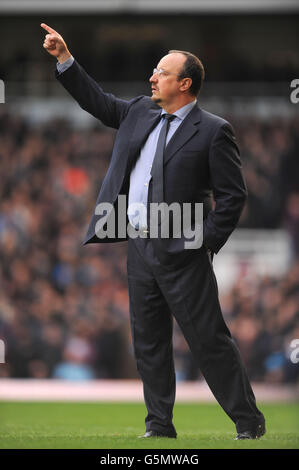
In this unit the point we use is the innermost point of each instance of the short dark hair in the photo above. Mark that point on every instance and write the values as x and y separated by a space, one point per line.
192 68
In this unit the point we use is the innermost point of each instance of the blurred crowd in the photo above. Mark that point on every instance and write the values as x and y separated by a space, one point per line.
64 310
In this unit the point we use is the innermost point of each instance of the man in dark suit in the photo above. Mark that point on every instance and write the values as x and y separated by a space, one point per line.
169 150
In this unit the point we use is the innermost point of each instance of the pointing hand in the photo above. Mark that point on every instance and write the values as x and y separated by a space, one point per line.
55 44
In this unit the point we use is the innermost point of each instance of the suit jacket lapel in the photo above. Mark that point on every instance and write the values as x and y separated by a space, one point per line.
185 131
143 127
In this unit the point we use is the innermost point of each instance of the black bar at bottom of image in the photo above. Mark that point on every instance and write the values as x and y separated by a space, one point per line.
137 458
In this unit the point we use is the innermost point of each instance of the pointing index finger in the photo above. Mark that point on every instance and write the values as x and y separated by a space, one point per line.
48 28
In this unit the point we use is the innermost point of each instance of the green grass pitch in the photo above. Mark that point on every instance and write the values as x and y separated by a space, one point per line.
43 425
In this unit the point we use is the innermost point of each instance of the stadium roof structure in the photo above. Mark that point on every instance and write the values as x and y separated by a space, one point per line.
148 6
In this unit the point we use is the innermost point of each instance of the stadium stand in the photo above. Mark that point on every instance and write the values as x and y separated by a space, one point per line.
64 307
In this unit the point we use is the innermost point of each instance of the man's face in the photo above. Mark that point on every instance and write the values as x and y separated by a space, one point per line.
165 85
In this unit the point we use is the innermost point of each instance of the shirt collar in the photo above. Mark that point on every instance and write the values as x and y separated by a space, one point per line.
183 111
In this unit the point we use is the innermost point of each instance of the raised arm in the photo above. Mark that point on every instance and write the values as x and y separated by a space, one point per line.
83 88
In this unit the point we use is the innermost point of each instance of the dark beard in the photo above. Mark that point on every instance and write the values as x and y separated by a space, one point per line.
157 100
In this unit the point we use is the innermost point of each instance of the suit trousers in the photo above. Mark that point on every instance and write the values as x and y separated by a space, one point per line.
189 293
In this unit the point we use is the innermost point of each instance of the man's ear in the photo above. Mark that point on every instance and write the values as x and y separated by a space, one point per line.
186 84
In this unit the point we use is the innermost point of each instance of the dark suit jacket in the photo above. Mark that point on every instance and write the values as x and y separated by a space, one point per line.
201 159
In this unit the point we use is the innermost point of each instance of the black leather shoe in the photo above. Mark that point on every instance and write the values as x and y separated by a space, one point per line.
157 434
252 434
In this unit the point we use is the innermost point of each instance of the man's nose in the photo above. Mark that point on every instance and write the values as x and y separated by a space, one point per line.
153 78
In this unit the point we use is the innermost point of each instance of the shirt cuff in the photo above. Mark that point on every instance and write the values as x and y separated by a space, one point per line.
65 65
